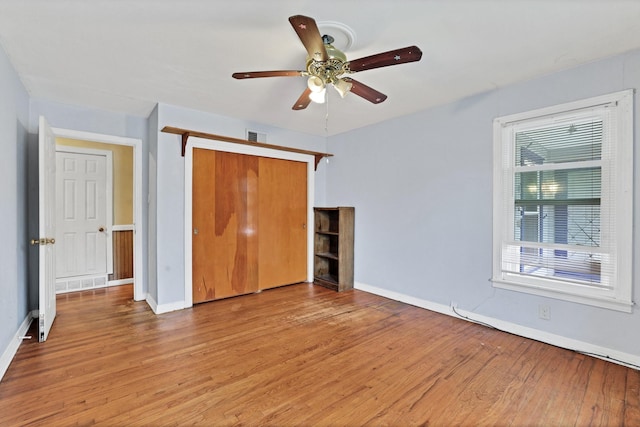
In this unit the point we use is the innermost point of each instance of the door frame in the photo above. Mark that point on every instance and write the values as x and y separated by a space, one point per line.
139 293
108 155
195 142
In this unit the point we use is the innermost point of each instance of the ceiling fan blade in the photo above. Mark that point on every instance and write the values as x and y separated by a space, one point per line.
385 59
368 93
307 30
278 73
303 101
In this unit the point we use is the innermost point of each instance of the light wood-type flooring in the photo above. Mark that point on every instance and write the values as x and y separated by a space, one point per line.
300 355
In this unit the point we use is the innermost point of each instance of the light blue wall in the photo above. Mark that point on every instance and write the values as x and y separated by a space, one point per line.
167 197
14 247
86 119
422 189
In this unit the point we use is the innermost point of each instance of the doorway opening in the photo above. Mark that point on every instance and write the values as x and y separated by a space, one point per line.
124 228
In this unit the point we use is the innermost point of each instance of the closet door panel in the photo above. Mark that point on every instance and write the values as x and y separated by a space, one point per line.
225 223
203 213
283 216
236 225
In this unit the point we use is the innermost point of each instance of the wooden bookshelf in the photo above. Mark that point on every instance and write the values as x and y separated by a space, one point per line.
333 247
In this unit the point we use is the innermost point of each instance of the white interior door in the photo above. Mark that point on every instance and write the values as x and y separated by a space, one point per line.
81 214
46 226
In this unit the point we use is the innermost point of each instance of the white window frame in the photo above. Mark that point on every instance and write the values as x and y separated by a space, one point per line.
618 294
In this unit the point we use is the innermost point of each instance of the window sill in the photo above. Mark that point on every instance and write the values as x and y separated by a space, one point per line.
593 300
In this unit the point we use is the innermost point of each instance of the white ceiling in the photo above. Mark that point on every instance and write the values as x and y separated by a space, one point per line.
126 56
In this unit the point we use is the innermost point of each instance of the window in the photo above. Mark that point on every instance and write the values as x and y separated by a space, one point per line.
563 201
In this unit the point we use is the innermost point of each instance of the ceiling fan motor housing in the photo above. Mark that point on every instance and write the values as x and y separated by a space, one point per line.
333 68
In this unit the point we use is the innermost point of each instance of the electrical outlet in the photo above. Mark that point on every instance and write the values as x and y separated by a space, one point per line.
453 305
544 312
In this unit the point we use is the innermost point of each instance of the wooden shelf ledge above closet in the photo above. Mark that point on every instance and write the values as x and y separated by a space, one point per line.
186 133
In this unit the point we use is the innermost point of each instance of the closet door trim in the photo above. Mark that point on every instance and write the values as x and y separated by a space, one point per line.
195 142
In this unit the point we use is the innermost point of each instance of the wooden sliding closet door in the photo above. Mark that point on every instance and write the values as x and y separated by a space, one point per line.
225 222
249 223
204 209
283 216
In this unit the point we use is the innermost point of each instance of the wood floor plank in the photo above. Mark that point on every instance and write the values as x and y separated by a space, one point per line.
603 402
632 398
300 355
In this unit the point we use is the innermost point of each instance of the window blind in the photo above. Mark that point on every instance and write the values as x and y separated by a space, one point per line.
557 202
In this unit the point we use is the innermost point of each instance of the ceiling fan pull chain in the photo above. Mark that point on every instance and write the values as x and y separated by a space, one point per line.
326 116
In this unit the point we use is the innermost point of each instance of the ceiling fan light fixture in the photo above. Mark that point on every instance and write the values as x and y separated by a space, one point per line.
342 87
318 97
315 84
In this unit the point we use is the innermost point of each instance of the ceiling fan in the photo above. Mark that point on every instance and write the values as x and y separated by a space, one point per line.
327 65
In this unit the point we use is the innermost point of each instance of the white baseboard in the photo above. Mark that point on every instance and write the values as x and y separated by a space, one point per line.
164 308
120 282
608 354
12 348
152 303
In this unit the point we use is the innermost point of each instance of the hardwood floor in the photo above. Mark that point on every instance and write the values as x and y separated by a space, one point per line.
300 355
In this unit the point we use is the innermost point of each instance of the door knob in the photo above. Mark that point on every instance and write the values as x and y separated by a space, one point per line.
43 241
101 229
